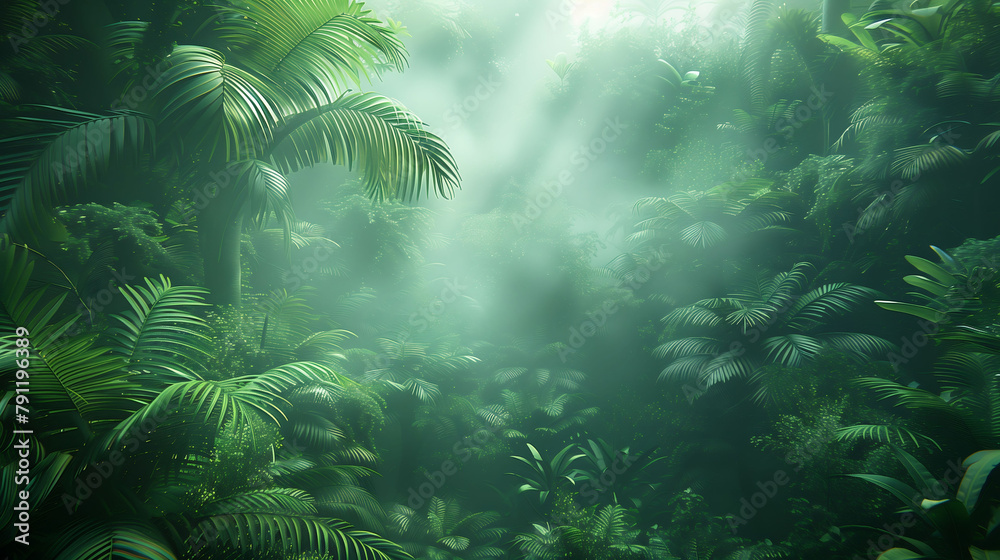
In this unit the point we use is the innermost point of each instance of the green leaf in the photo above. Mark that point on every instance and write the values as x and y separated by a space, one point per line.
919 473
158 333
927 284
219 107
980 554
951 518
392 147
60 157
534 452
979 466
669 74
899 554
927 267
703 234
903 492
921 311
884 434
318 49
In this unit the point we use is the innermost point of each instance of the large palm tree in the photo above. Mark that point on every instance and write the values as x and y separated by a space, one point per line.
229 124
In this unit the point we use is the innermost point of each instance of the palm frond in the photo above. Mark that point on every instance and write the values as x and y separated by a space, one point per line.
687 347
825 302
913 161
284 520
696 315
861 346
228 112
884 434
792 350
704 234
159 333
390 145
317 48
96 541
65 152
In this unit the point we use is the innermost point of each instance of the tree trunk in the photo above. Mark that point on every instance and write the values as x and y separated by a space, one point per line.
220 225
832 10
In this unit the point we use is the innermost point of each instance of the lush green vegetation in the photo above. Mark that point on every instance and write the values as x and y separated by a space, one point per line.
762 297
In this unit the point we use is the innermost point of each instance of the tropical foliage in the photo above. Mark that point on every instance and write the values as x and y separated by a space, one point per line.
235 322
778 311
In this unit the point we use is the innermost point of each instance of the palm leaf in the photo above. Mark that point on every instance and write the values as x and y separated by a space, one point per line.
884 434
250 525
934 270
506 375
921 311
725 367
948 417
394 151
791 350
750 317
696 315
48 167
703 234
913 161
828 301
900 490
936 289
158 333
860 345
979 466
225 110
93 541
80 386
687 347
265 190
317 48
